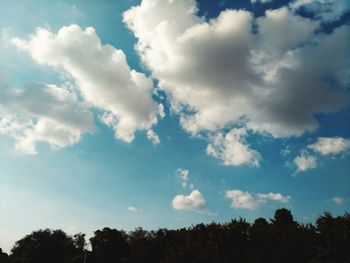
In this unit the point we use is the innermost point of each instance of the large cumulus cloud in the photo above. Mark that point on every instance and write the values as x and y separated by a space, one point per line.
269 74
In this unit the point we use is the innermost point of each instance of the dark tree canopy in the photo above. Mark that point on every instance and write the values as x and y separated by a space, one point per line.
283 218
109 245
279 240
45 246
3 256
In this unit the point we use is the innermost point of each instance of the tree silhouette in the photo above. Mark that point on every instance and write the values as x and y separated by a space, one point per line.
279 240
108 246
3 257
260 239
44 246
286 238
283 218
334 236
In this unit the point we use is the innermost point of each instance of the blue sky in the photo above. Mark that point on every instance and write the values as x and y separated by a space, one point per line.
170 113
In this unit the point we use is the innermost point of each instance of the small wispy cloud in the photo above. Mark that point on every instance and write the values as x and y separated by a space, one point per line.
338 200
285 151
153 137
133 209
182 175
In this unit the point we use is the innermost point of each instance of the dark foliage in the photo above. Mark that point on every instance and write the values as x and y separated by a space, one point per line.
45 246
280 240
3 256
109 246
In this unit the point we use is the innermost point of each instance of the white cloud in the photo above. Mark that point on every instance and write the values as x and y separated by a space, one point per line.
271 40
242 199
246 200
192 202
274 197
133 209
260 1
182 174
326 10
43 113
305 162
323 146
101 73
285 151
161 111
219 73
338 200
153 137
330 145
232 150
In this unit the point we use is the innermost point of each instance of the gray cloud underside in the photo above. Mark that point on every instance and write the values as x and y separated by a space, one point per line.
43 113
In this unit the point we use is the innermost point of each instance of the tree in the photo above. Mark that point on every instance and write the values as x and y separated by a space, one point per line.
3 257
109 246
281 240
44 246
79 241
286 239
283 218
334 236
260 241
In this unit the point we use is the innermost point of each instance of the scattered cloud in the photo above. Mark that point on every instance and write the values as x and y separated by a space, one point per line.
102 75
246 200
153 137
328 11
133 209
242 199
232 149
43 113
330 145
182 175
338 200
305 162
285 151
192 202
260 1
274 197
323 146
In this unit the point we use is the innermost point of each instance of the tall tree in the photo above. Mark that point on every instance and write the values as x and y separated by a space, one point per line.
108 246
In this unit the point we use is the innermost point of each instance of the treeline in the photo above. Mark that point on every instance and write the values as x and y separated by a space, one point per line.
281 239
